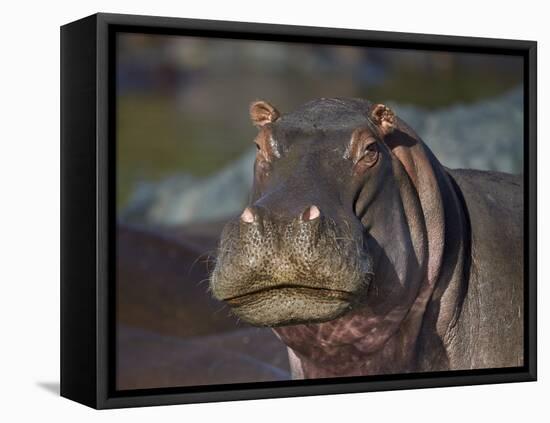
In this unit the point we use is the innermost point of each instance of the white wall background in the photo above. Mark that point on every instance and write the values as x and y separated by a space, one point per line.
29 235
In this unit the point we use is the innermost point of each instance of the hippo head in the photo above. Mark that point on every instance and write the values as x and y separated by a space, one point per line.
301 251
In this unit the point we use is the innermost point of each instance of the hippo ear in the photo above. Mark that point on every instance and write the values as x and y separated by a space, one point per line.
262 113
383 117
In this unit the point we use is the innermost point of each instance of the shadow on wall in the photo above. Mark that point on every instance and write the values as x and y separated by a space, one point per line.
51 387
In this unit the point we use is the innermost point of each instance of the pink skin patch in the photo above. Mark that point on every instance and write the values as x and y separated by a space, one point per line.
247 216
311 213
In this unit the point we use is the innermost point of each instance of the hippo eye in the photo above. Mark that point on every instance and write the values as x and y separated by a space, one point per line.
370 153
371 150
367 158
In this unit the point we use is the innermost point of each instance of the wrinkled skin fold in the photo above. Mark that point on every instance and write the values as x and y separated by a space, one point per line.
366 255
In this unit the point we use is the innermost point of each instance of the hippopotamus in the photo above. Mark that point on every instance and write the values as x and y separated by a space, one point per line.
367 256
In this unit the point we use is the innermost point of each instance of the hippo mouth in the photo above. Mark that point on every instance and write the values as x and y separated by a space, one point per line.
289 304
318 292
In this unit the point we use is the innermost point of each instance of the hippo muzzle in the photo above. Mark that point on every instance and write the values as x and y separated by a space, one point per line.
279 271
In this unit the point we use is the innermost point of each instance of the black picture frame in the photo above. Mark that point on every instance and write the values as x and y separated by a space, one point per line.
88 209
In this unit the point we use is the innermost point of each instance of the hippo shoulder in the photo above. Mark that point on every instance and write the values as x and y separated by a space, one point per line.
504 188
493 307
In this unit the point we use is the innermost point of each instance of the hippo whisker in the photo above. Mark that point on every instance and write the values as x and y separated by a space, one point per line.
198 259
203 281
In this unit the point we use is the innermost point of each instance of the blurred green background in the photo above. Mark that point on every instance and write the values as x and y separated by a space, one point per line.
182 102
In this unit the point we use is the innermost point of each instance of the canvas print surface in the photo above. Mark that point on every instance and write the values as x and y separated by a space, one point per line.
306 211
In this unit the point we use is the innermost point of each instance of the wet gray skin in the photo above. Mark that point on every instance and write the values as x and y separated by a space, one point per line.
366 255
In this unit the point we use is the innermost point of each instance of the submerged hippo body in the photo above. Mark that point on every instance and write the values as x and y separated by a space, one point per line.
366 255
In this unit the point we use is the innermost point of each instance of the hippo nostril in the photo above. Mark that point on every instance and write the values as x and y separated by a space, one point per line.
247 215
311 213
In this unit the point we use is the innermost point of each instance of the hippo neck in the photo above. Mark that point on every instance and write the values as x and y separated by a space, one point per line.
383 337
